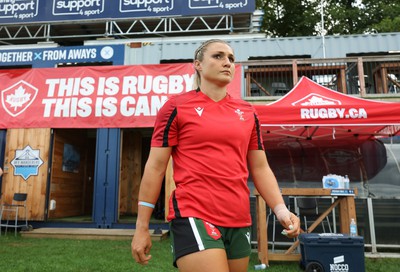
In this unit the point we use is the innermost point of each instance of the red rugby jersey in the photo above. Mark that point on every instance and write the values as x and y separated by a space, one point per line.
210 142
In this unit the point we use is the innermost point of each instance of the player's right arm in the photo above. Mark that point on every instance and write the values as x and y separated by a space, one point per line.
149 191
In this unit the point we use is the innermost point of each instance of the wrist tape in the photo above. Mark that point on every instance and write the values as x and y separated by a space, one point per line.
281 212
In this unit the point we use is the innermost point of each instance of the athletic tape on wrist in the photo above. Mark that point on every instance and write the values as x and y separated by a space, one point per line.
281 211
146 204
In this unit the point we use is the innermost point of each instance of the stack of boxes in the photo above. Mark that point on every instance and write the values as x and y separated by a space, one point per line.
333 181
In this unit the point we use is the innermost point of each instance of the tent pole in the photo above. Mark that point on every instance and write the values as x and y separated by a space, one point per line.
371 224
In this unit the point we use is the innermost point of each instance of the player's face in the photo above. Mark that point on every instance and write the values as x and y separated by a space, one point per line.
218 64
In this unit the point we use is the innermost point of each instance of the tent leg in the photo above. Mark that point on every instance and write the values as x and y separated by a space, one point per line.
371 224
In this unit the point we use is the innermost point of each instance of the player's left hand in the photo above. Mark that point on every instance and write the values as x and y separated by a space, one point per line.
291 225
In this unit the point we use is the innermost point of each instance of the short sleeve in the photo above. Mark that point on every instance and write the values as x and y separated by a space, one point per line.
165 127
256 141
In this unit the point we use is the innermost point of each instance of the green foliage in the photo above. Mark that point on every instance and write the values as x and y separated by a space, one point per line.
288 18
388 25
384 16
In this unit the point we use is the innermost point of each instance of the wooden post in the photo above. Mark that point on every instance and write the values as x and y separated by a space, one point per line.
347 212
262 237
361 79
295 72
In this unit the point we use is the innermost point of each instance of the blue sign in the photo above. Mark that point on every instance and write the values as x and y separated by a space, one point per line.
49 57
26 162
44 11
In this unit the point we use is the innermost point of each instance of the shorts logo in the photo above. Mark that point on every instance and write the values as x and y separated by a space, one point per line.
212 231
17 98
248 237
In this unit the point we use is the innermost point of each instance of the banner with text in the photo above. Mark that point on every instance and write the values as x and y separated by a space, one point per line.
50 57
40 11
93 97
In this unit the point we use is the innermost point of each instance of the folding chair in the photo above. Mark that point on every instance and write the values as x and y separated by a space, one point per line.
308 209
276 222
279 88
18 202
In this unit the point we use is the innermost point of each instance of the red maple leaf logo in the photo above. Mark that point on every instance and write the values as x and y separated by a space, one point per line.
17 98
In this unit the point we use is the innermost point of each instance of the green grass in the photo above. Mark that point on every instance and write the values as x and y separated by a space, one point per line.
19 254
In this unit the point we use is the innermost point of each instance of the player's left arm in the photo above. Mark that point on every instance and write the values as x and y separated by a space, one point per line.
267 186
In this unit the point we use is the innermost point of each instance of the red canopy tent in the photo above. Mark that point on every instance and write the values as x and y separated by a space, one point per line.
313 131
310 111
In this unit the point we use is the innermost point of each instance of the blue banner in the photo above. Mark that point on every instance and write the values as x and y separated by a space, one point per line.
44 11
49 57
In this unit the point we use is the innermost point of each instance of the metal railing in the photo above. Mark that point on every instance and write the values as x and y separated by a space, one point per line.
123 28
362 76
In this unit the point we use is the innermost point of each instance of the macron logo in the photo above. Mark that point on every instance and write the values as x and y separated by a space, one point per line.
199 110
248 237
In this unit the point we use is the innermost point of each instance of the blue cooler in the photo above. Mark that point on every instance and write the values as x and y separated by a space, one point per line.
331 252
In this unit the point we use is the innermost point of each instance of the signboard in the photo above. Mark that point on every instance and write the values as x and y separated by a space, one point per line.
44 11
93 96
26 162
50 57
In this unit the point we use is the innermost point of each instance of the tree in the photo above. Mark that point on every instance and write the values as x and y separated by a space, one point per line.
384 15
284 18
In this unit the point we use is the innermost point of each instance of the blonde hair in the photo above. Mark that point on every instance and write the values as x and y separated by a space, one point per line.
199 54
